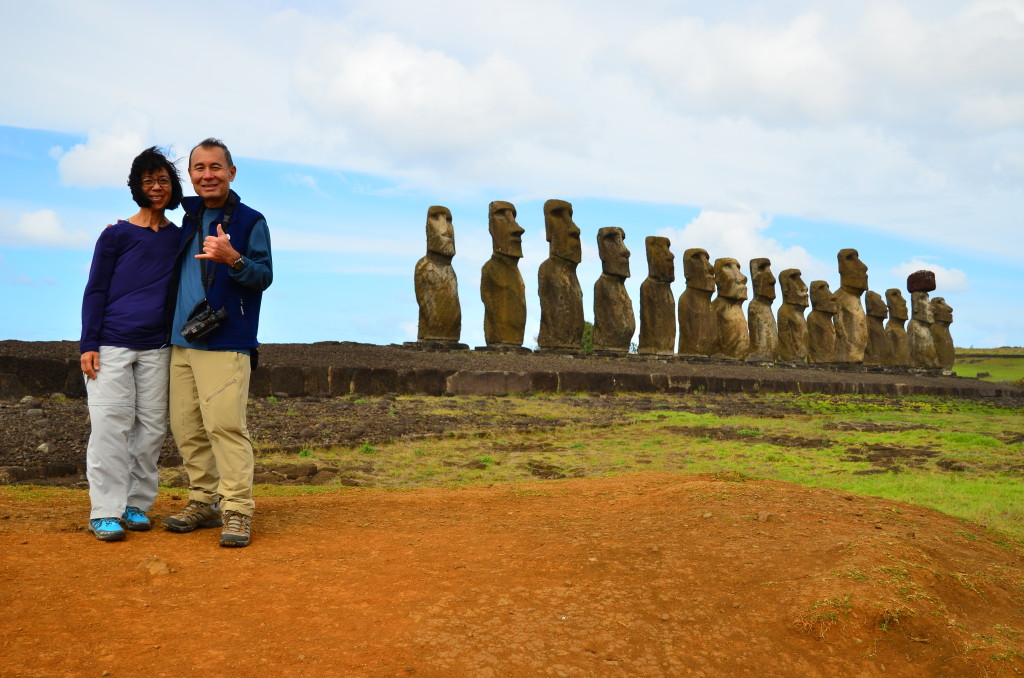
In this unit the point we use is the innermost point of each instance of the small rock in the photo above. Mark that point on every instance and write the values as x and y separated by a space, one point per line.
58 397
307 433
45 448
30 402
35 412
155 566
764 516
707 515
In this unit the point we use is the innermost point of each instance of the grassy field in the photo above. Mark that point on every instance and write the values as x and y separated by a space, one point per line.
963 458
999 368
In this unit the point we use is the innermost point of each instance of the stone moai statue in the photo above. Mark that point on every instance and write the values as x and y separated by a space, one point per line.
614 322
922 346
793 338
697 330
501 284
879 349
899 342
657 303
821 329
561 298
437 288
764 332
942 317
851 323
733 337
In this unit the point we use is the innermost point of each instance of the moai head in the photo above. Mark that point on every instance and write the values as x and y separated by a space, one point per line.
764 281
822 298
853 273
896 303
941 311
794 290
440 232
697 269
660 260
729 279
611 246
506 233
876 308
561 232
921 307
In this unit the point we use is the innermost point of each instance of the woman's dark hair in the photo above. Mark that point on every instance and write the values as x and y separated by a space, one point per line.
153 160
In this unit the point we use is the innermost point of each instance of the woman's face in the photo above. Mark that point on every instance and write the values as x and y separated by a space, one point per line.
157 187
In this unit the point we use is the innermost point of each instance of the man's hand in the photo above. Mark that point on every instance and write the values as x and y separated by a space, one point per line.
90 363
218 248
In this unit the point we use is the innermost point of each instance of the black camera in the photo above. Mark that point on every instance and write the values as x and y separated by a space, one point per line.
202 322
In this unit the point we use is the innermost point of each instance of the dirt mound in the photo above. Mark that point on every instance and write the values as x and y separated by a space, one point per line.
639 575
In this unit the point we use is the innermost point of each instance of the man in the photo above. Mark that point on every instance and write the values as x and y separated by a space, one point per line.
225 265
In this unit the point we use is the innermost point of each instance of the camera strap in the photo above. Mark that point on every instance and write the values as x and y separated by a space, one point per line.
225 222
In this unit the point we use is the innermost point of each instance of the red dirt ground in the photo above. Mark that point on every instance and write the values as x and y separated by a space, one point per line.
638 575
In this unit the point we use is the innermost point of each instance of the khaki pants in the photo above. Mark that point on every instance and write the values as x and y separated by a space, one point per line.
208 395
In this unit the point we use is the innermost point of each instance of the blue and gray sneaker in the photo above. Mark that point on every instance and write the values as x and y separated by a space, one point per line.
106 529
135 519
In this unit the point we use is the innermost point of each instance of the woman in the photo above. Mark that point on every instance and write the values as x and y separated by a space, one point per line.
125 355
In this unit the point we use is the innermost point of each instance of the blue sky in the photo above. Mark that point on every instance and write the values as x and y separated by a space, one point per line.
786 129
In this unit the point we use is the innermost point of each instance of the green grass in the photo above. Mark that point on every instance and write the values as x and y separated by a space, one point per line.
999 368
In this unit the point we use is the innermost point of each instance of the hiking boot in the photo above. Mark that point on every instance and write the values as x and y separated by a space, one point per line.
195 514
135 519
236 529
106 529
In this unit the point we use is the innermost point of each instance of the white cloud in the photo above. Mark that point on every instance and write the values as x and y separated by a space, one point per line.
738 234
40 228
104 160
285 239
947 280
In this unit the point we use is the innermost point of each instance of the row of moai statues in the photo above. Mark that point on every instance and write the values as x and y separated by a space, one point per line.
837 330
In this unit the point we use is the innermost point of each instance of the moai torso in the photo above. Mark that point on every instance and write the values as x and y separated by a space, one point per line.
614 322
850 320
733 337
821 330
922 344
502 289
698 332
561 298
899 342
942 317
764 332
879 349
437 288
793 336
657 303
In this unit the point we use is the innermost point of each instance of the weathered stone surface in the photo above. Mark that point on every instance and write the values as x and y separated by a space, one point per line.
561 298
879 348
589 382
287 379
922 345
10 385
764 332
942 317
793 336
259 383
437 288
821 330
502 289
316 379
614 322
698 332
492 383
341 380
899 342
375 381
850 321
657 303
733 338
921 281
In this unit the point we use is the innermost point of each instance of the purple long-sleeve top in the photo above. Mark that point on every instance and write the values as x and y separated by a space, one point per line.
125 301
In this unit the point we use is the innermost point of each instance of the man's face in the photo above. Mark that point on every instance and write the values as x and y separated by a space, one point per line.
210 174
764 281
794 289
731 282
440 232
156 185
506 233
611 247
660 260
698 270
562 232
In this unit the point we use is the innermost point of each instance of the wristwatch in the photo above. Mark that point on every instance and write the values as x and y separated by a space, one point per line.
238 264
